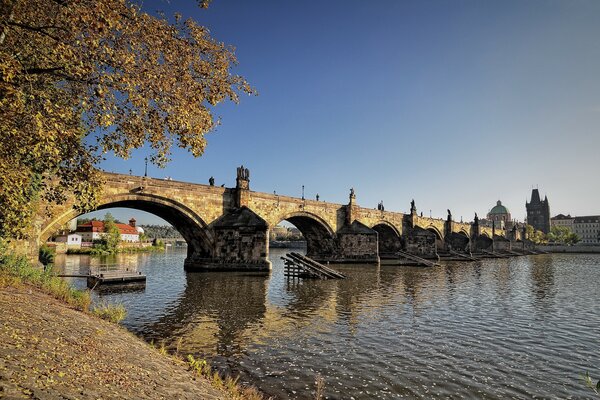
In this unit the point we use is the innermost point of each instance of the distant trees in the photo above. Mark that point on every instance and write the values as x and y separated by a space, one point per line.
111 238
557 234
562 234
160 231
535 236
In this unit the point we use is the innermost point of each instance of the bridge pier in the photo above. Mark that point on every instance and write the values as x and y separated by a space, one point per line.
421 242
357 243
241 243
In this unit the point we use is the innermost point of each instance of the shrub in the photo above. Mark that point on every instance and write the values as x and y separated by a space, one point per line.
110 312
46 254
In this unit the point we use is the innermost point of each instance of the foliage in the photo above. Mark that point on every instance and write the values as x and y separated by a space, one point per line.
590 383
82 78
112 233
537 237
562 234
109 242
160 231
110 312
82 250
46 254
15 269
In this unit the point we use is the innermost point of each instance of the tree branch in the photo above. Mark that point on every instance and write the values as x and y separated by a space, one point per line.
39 29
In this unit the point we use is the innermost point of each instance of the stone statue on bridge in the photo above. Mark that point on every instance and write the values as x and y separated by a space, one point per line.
243 178
352 194
449 215
413 208
243 173
211 181
476 219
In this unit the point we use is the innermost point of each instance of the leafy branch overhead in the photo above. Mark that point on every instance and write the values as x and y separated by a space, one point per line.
82 78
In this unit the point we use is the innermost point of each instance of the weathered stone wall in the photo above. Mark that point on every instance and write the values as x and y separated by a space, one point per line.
276 208
388 239
482 243
420 242
371 218
457 242
357 243
240 243
501 244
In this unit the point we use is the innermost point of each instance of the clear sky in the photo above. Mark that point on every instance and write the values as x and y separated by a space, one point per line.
453 103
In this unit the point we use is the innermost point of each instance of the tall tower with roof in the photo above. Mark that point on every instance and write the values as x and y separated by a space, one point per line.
538 212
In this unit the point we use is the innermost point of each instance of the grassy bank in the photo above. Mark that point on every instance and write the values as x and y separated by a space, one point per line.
17 270
127 250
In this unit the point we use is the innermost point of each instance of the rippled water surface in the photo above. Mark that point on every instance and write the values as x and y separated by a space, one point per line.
505 328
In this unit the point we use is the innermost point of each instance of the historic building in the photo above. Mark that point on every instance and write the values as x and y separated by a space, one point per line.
500 215
538 212
588 229
94 230
563 220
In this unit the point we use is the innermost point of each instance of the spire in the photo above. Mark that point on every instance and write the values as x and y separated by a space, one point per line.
535 196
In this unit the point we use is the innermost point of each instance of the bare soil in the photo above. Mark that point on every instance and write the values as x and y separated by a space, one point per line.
50 351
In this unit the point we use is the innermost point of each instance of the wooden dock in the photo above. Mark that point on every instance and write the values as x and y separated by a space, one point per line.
493 254
299 266
464 256
116 278
114 275
418 260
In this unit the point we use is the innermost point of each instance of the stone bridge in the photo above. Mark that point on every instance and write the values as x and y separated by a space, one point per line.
228 228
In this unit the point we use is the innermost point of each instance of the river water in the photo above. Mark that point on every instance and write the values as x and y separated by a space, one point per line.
522 327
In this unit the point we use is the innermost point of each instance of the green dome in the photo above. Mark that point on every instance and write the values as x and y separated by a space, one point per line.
499 209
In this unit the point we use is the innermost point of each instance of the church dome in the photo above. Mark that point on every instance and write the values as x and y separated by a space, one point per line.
499 209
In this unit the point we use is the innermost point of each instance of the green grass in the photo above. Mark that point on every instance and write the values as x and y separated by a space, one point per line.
110 312
97 251
16 269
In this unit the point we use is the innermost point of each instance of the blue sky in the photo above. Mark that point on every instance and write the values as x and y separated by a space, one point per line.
453 103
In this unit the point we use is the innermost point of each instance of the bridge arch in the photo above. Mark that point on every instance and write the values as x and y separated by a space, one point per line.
439 238
436 231
190 225
389 239
320 237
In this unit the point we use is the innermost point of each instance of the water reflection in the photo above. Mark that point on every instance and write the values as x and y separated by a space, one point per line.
215 313
503 328
542 278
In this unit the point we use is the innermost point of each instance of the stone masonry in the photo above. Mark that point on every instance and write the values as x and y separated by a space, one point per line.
228 228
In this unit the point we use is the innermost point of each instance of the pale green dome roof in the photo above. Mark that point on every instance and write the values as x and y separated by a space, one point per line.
499 209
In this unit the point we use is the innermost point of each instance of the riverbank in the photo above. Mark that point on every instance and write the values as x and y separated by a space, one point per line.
50 350
98 252
576 249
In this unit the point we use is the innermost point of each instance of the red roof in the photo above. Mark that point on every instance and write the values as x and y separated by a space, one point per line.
127 229
98 226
